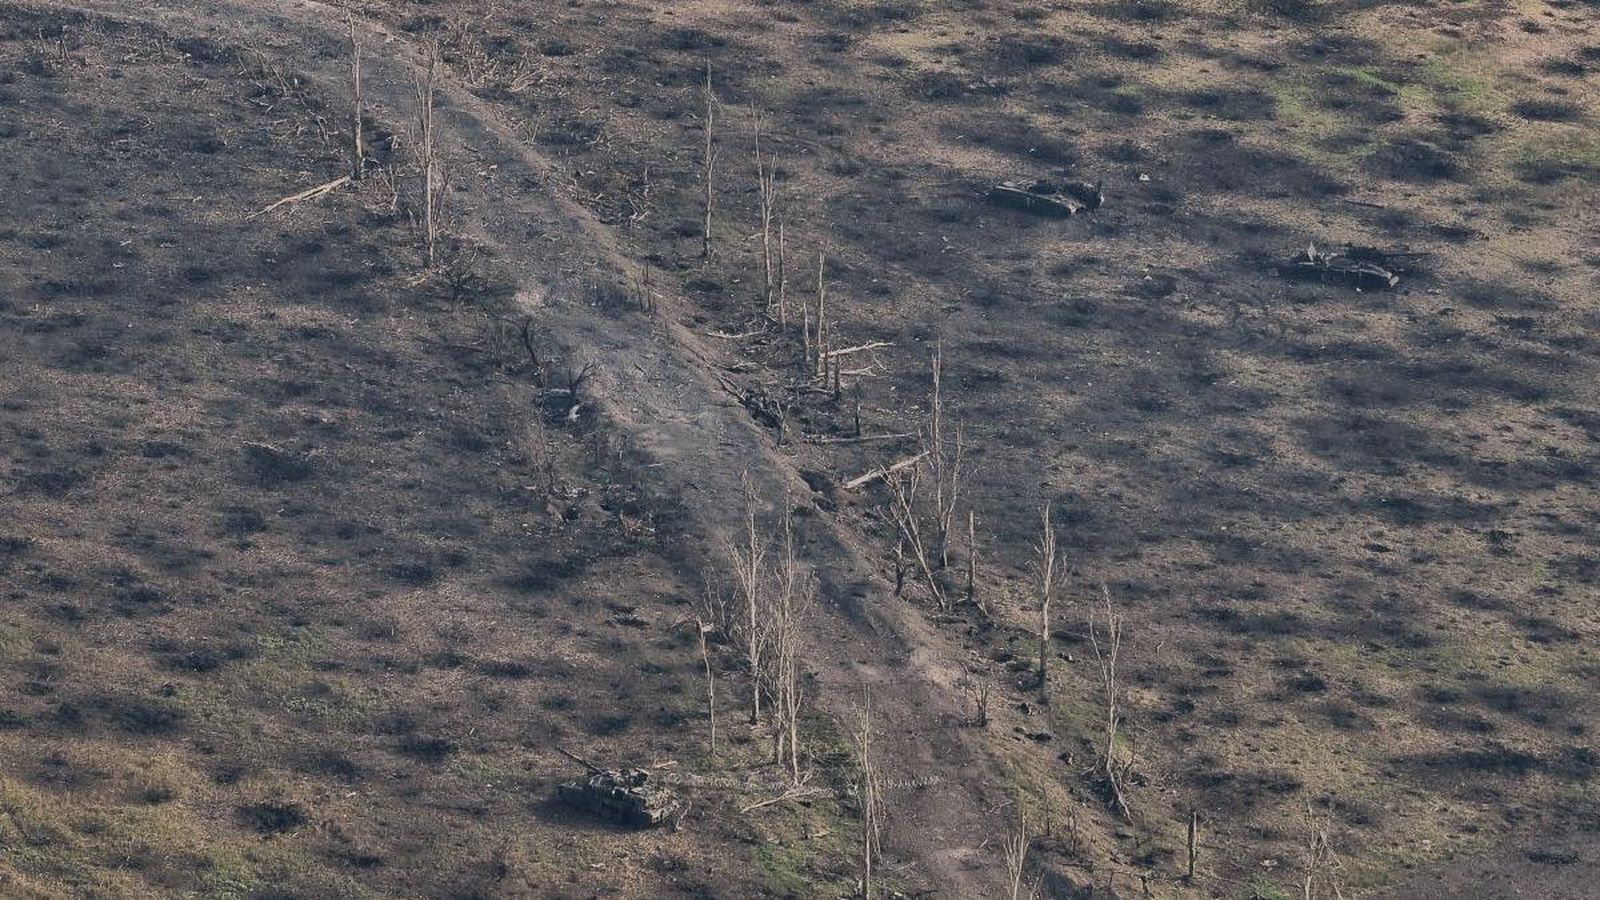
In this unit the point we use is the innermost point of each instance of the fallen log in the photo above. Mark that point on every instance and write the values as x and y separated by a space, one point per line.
316 193
884 471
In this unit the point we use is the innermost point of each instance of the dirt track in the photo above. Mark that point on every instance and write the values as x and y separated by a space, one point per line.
656 391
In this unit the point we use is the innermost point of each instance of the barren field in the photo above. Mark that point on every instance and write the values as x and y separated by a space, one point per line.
315 557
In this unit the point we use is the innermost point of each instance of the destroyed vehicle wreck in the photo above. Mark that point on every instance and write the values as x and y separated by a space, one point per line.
1047 198
626 797
1362 268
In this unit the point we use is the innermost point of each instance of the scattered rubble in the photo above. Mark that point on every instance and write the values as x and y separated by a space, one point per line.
1048 198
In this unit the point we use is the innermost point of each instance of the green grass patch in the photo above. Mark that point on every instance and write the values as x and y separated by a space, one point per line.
1261 888
1368 77
1456 86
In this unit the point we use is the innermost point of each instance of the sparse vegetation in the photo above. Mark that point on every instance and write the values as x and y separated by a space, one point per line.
314 566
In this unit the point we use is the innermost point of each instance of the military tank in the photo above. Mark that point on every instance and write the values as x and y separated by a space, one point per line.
630 798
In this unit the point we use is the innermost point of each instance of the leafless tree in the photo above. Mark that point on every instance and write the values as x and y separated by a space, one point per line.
748 556
525 329
644 290
767 184
783 282
708 162
1321 862
540 458
425 148
1016 851
812 332
701 628
358 147
944 462
796 590
869 788
901 565
822 336
389 182
1191 843
856 410
970 592
1107 643
1050 573
977 688
903 507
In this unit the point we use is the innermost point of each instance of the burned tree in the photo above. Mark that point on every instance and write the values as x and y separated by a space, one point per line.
1107 643
903 488
943 460
1320 862
869 793
767 186
424 148
708 162
748 556
796 590
702 628
358 148
1050 573
1016 847
970 591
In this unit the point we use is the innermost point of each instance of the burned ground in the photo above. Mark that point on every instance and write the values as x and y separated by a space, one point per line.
296 602
1355 532
1259 469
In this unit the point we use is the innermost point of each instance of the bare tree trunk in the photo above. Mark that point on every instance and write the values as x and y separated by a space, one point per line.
903 507
936 450
822 314
857 409
711 683
358 147
805 335
870 791
796 589
766 182
1322 862
976 685
749 564
1192 842
1049 571
783 282
426 152
944 459
900 565
972 563
709 162
1107 651
1016 850
838 362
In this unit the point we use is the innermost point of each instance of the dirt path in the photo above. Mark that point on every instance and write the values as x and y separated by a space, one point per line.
654 386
